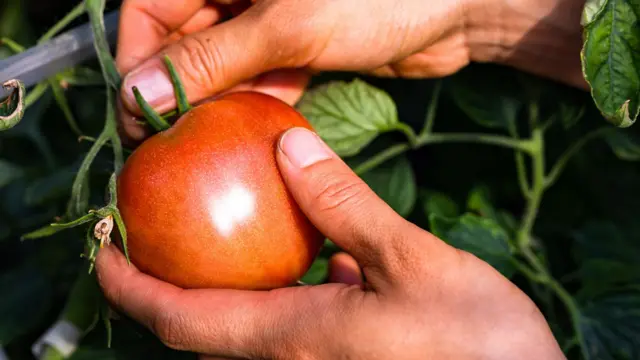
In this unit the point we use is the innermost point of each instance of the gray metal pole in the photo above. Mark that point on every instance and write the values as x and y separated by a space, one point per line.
62 52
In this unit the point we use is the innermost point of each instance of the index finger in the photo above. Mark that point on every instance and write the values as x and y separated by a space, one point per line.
145 26
219 322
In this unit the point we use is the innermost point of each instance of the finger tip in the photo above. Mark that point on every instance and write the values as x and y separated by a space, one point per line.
110 259
285 84
106 256
343 268
303 147
130 130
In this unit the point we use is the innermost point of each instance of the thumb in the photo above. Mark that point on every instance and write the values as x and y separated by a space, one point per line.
207 62
344 208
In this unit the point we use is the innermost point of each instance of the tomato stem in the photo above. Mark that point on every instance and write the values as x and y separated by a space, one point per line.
153 118
178 87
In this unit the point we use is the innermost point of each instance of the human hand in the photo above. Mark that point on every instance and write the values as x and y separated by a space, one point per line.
401 293
273 46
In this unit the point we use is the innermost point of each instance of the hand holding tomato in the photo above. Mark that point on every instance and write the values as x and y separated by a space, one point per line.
401 293
272 46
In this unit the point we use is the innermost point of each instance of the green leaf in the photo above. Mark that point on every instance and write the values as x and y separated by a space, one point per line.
113 210
61 99
394 181
570 114
610 325
348 116
592 9
437 203
123 232
26 298
317 273
469 89
479 202
12 108
57 227
607 257
624 144
610 58
480 236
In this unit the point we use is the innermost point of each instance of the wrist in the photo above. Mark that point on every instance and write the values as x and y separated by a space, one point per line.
542 37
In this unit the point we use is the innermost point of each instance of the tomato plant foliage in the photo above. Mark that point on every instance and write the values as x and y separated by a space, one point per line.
537 179
610 57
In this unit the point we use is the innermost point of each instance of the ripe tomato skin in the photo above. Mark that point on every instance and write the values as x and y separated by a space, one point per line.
204 203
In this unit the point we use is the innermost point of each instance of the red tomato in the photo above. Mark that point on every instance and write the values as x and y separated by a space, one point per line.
204 203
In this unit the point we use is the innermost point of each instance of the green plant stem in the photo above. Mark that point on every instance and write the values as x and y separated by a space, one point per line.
179 91
408 131
95 10
428 139
498 140
540 272
63 104
534 196
92 139
35 93
381 157
431 112
71 15
12 45
153 118
562 162
528 272
520 166
522 175
547 124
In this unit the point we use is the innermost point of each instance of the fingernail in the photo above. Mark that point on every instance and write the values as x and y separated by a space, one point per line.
154 85
303 148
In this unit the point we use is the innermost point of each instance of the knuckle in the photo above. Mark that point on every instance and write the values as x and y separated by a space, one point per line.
301 30
201 62
339 193
169 327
